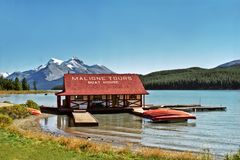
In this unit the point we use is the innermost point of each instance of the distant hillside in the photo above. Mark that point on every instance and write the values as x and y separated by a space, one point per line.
230 64
194 78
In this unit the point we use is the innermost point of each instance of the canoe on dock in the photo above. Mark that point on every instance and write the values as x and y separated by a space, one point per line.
167 115
83 118
34 111
163 115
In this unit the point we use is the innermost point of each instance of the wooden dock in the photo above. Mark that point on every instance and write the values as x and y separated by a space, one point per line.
138 111
83 118
200 109
189 107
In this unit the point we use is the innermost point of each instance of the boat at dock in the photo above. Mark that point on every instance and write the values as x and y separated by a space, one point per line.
34 111
167 115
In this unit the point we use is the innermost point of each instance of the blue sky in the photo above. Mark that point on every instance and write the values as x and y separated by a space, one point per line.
127 36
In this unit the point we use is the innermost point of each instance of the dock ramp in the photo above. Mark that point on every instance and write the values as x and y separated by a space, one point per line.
83 118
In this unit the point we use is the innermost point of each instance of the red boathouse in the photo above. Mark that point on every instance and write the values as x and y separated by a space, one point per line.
101 92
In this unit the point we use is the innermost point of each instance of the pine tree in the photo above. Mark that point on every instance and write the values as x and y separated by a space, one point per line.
34 85
24 84
1 83
17 84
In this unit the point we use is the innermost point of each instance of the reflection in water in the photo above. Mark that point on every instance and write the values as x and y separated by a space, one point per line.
63 122
124 120
45 121
122 126
126 127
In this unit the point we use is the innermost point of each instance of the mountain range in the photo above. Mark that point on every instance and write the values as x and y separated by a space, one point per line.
51 74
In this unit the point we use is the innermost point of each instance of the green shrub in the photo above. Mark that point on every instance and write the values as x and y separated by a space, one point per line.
15 111
23 105
5 120
32 104
6 102
235 156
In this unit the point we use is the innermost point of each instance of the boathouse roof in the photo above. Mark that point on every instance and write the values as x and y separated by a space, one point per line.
102 84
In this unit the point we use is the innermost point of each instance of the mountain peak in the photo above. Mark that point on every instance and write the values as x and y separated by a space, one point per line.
230 64
55 60
75 59
5 74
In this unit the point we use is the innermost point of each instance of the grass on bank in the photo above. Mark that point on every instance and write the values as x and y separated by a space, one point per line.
22 144
234 156
27 91
5 120
15 111
14 146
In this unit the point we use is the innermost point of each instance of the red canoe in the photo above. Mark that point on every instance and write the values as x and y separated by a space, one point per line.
34 111
167 115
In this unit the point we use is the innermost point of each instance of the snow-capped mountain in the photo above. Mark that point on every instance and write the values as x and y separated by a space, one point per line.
230 64
4 74
51 74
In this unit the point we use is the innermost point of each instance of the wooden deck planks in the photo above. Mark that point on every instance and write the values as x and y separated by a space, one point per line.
138 111
200 109
84 119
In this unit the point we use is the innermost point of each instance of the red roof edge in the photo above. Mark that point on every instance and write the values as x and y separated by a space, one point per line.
59 93
69 85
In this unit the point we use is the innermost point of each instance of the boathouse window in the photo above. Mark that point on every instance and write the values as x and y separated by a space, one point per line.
97 98
78 97
133 97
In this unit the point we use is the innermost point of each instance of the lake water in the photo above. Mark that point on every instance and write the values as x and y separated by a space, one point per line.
217 131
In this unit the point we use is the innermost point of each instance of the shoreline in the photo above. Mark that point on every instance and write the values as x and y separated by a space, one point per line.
32 124
9 92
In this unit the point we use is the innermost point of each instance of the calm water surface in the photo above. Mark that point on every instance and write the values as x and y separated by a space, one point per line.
217 131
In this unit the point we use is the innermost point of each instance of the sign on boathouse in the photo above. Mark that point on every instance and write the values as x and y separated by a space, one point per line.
110 79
